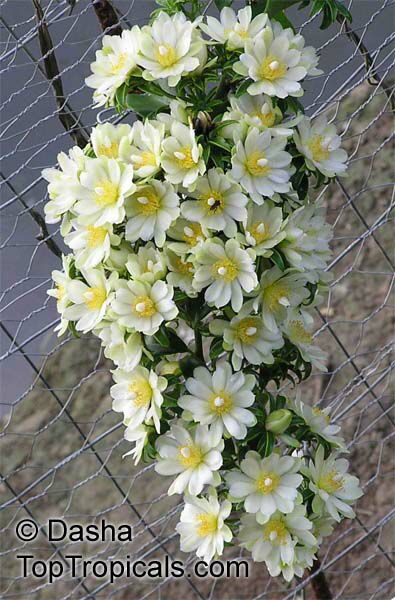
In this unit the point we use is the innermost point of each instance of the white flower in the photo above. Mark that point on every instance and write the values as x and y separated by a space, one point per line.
226 270
264 227
322 526
181 157
181 272
105 185
107 139
232 29
178 112
144 147
90 300
280 290
261 165
307 237
274 540
138 395
335 490
114 63
220 399
248 338
91 245
140 436
255 111
218 203
202 526
64 186
190 236
193 455
61 280
148 265
274 66
266 484
150 212
309 58
143 307
123 348
318 420
169 48
298 327
320 145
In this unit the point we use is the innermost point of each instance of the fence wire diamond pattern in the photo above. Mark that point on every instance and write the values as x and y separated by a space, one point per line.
62 445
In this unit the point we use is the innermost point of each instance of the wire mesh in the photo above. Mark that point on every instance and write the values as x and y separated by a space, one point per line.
62 445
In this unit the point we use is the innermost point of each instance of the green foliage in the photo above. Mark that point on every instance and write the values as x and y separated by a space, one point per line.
331 10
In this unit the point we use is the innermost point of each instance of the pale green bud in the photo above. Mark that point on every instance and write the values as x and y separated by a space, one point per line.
278 421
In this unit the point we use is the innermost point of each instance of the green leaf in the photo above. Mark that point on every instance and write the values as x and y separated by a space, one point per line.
220 4
282 18
278 259
145 104
216 348
242 88
273 7
188 364
266 443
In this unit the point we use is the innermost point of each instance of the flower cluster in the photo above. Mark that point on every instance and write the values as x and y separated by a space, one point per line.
197 256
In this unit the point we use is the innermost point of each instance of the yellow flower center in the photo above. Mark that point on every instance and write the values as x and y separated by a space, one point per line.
275 295
96 236
319 151
225 269
106 193
110 151
275 532
221 403
95 297
207 524
143 307
190 456
257 164
60 291
267 120
141 392
147 159
166 55
184 158
248 329
299 333
192 234
331 482
272 68
184 267
213 203
120 64
320 413
148 203
243 33
267 482
259 231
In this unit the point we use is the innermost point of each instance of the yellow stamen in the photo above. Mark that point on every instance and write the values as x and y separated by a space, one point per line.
331 482
110 151
225 269
267 120
267 482
319 151
60 291
184 158
148 203
193 234
95 297
248 329
166 55
259 231
148 159
298 332
143 307
106 193
190 456
221 403
184 267
272 68
213 203
141 392
120 64
275 532
275 296
96 236
257 164
208 524
320 413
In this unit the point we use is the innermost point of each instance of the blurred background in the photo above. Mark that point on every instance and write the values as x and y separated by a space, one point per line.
61 445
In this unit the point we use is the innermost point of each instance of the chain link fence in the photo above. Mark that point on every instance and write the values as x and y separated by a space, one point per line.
61 444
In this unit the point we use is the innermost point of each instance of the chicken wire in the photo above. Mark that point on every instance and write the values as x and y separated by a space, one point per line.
62 445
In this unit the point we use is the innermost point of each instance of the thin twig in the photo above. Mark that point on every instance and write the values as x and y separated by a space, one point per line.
107 17
67 117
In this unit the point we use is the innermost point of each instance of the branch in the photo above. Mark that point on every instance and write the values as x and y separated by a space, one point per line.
67 117
107 17
319 583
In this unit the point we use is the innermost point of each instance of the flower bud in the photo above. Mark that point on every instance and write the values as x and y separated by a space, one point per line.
278 421
170 368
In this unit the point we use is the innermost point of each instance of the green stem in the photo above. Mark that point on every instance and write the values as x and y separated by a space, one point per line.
199 344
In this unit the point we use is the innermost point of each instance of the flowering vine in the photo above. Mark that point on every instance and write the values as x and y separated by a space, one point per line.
197 257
